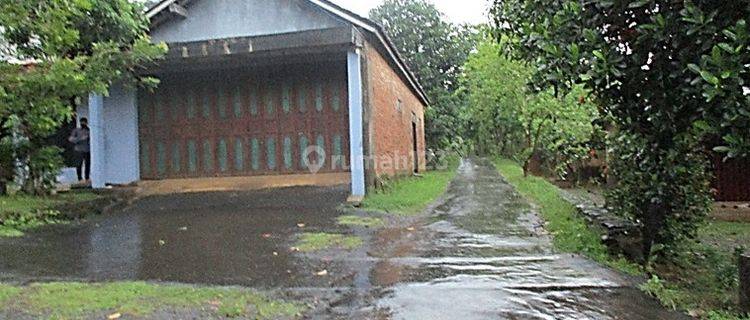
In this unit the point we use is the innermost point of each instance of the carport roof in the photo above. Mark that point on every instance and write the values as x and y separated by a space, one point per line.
166 9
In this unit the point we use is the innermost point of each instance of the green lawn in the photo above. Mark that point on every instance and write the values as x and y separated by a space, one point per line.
570 231
726 236
22 212
66 300
410 195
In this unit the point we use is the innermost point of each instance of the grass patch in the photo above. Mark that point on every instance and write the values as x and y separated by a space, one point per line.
22 212
7 292
703 277
356 221
570 231
726 236
310 242
75 300
409 196
723 315
9 232
28 204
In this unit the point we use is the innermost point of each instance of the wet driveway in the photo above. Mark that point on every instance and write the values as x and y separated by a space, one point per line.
480 252
223 238
485 255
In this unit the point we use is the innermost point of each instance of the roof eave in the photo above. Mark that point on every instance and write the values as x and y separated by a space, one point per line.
378 31
351 17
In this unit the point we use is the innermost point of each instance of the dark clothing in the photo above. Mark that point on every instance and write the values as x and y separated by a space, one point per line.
80 139
83 157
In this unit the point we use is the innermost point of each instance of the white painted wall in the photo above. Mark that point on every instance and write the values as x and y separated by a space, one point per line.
120 115
219 19
113 121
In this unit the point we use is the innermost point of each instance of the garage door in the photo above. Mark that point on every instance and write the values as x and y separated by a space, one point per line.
261 122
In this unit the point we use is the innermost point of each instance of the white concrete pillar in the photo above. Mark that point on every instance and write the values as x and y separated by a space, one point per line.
120 118
97 140
356 133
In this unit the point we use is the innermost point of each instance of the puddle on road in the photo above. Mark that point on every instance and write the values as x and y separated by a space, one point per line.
210 238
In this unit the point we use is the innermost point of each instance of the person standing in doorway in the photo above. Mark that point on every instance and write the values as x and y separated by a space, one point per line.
80 139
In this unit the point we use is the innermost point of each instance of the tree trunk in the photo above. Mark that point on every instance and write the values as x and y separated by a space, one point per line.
652 224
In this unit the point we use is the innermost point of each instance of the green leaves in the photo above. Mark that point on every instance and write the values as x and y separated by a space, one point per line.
506 118
77 47
434 49
710 78
638 4
662 71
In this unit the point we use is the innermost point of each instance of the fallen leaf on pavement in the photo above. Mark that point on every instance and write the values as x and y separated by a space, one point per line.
114 316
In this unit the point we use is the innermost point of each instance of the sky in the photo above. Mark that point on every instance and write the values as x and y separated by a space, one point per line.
457 11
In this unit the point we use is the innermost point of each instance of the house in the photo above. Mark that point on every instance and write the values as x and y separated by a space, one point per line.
731 179
302 89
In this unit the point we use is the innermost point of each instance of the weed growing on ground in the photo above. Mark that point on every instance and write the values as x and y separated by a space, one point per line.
310 242
8 232
21 212
356 221
656 287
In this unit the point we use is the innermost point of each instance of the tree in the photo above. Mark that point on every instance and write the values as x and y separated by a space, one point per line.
509 120
672 76
55 52
435 50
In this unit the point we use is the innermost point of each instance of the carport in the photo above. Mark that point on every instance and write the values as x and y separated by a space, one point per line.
242 107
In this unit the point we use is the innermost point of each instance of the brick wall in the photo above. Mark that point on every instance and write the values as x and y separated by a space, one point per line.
391 142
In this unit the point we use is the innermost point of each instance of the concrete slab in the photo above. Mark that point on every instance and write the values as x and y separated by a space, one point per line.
172 186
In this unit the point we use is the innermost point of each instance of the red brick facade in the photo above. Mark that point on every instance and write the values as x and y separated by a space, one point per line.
393 108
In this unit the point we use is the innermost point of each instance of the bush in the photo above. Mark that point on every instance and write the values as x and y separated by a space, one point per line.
666 190
44 166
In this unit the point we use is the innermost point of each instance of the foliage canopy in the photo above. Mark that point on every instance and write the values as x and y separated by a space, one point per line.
504 118
54 53
435 50
672 75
